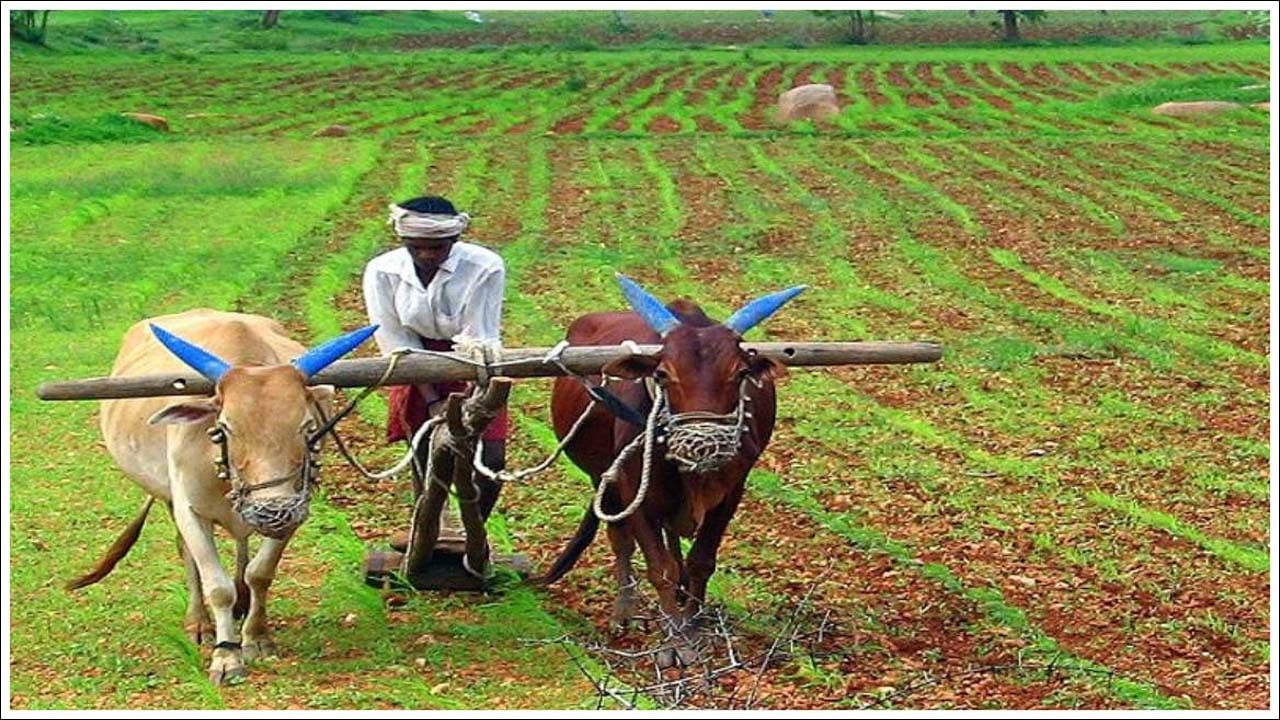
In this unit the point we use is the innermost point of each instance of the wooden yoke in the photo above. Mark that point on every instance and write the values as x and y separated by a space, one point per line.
453 447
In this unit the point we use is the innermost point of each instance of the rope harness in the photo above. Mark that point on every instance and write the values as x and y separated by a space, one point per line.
699 442
274 517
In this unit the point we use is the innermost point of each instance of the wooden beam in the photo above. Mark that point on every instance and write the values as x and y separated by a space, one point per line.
516 363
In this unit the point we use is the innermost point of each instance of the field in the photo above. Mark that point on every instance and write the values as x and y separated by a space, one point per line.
1071 510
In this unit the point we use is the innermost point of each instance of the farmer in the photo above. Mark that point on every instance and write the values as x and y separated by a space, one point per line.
432 290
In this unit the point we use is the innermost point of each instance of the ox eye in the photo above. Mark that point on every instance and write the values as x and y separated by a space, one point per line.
661 375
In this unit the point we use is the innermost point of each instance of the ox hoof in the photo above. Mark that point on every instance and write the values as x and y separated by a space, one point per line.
623 615
259 648
200 632
679 654
227 668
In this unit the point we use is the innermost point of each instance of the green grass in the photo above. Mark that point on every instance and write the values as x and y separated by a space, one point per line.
1095 275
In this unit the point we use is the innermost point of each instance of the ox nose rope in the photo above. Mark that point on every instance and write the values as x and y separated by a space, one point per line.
699 441
703 442
275 517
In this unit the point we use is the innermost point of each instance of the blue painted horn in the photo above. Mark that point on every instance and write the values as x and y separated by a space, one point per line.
759 310
325 354
647 306
200 360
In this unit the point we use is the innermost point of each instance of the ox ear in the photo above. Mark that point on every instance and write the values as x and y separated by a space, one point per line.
323 396
764 368
633 367
186 413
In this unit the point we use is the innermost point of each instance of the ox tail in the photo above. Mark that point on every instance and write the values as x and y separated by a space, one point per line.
117 551
569 556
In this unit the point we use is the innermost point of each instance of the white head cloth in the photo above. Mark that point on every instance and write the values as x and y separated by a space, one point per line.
408 223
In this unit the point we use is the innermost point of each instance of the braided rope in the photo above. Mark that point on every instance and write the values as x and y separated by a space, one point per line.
610 476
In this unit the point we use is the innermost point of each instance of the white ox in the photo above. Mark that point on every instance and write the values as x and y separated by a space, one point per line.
243 459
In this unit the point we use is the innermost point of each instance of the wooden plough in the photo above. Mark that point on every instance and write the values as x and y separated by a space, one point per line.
437 549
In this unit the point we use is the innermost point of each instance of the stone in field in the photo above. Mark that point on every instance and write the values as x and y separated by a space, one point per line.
813 102
333 131
1202 107
154 121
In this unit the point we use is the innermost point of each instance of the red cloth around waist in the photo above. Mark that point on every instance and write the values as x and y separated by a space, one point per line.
408 408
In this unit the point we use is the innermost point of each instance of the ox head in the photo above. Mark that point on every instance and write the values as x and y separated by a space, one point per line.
264 421
703 371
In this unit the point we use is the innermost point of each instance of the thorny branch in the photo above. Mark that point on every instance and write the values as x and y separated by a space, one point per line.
628 679
618 675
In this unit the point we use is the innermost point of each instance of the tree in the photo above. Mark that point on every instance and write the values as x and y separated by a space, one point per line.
1010 20
862 23
25 26
270 18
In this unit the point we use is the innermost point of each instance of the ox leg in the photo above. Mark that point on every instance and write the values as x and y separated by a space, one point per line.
702 556
241 607
664 574
227 665
624 546
257 635
197 624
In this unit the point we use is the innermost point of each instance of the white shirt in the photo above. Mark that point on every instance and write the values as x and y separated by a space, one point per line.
464 297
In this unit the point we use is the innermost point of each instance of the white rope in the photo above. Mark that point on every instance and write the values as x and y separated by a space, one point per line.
508 476
610 476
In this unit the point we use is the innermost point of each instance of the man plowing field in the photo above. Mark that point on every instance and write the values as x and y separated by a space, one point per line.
432 291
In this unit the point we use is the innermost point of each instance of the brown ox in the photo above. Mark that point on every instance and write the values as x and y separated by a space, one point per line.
243 459
719 418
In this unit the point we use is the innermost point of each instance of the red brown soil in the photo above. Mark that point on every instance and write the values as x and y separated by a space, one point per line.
1075 73
924 72
836 79
1098 638
518 80
867 86
989 76
706 81
706 123
570 126
1260 71
804 75
958 75
897 77
672 84
479 128
1133 72
642 81
1106 74
521 127
1055 85
766 99
1035 82
663 124
956 102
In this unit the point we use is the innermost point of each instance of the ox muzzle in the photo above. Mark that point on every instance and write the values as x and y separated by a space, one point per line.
277 516
703 442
